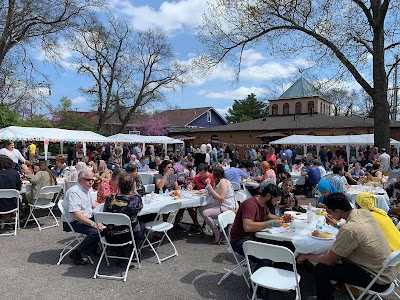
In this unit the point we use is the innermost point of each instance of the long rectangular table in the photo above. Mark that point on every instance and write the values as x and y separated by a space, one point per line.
301 238
153 205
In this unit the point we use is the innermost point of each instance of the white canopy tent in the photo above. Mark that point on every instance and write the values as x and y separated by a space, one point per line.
17 133
143 139
348 140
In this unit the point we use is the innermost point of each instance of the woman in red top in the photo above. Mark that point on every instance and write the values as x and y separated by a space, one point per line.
109 187
271 155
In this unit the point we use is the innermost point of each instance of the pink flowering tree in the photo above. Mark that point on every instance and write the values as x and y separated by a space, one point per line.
153 126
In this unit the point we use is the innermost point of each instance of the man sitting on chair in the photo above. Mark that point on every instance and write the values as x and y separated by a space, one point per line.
78 207
360 244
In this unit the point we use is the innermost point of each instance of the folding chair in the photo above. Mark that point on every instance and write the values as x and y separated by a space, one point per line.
78 238
69 184
8 194
161 226
235 186
147 178
148 188
392 261
41 203
118 219
270 277
225 220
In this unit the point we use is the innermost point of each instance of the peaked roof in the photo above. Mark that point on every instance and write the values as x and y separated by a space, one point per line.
183 117
301 89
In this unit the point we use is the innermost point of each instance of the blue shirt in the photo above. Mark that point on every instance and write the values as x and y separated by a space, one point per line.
234 174
314 175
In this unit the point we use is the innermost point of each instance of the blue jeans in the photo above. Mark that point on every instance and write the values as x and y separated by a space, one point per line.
89 244
346 273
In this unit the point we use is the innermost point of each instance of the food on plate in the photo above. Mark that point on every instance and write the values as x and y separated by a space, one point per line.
298 213
321 213
286 225
175 193
25 182
322 234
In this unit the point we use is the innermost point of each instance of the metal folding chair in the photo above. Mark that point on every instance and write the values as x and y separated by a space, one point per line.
270 277
78 238
118 219
44 203
393 260
225 220
162 227
8 194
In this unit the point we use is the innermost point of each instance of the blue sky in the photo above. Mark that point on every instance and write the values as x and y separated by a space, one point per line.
264 75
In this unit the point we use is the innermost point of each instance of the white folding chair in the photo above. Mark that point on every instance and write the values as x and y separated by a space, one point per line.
148 188
392 261
163 227
8 194
235 186
147 178
270 277
117 219
78 238
225 220
69 184
43 203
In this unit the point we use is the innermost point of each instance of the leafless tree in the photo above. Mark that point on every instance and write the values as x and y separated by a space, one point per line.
129 69
32 23
358 37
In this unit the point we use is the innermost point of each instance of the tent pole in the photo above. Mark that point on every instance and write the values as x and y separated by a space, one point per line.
84 150
61 148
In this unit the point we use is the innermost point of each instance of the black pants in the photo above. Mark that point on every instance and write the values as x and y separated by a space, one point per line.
89 244
346 273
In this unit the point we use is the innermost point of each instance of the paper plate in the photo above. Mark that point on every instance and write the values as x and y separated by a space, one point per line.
332 236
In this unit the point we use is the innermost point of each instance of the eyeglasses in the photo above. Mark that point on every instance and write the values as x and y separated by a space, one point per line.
88 179
169 167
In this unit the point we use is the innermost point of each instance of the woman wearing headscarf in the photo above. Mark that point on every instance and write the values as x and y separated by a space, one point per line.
200 156
367 201
325 188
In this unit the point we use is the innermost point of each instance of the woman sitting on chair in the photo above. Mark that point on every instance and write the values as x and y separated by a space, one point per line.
367 201
138 185
325 188
9 179
42 177
127 202
225 200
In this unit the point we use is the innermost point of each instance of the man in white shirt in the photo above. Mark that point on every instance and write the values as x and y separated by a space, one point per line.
78 207
384 160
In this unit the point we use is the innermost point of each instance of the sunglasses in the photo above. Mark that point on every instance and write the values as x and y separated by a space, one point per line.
169 167
88 179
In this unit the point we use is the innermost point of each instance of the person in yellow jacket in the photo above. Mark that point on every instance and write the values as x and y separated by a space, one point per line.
367 201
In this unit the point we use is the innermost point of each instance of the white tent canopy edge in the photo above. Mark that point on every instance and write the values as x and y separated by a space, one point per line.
318 140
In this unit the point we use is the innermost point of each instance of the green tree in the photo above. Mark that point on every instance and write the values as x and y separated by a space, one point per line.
8 117
358 39
64 117
246 109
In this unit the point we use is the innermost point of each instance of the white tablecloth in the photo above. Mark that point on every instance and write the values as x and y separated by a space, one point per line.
301 239
152 206
296 176
382 198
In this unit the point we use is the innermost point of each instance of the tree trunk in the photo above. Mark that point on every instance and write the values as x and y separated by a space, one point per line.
379 97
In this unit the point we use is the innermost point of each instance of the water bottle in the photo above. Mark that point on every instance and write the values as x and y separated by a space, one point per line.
310 213
161 192
319 225
292 226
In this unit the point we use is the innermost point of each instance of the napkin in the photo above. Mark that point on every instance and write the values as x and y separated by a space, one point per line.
275 230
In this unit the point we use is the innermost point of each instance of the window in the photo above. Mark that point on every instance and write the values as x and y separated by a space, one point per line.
275 109
310 106
209 116
320 108
298 108
286 109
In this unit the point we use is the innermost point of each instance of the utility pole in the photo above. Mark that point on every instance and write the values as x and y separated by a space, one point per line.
395 88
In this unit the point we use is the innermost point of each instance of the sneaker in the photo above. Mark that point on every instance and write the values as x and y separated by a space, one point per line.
76 257
178 227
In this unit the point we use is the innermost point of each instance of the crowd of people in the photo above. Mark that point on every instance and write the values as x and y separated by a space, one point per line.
362 244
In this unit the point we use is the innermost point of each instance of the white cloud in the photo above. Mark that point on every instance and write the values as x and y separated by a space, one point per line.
251 57
78 100
239 93
171 16
223 111
268 71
